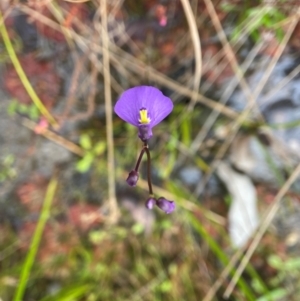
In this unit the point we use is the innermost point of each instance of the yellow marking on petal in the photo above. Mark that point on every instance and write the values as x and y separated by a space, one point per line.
144 119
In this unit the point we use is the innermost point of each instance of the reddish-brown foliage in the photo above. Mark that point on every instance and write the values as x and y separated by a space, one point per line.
42 76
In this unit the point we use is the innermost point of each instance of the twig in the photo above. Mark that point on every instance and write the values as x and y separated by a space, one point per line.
139 68
224 98
267 219
215 287
79 65
222 152
114 213
133 64
282 83
230 55
197 48
72 147
245 114
91 97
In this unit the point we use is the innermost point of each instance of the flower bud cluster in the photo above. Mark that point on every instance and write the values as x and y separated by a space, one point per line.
132 179
162 203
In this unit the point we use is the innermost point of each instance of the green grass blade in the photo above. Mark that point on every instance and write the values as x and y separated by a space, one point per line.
216 249
71 293
27 85
214 246
36 240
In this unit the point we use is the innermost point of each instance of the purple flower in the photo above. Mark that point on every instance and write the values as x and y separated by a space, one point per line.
165 205
143 107
150 203
132 178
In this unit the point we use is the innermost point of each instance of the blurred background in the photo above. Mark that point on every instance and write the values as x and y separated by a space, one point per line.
228 155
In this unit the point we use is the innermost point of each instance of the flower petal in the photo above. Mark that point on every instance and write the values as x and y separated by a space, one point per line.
129 104
132 100
160 107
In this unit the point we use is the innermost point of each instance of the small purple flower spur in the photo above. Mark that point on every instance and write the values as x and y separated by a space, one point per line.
145 107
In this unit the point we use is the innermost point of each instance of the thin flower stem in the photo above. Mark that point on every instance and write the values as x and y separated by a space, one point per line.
138 162
137 166
149 169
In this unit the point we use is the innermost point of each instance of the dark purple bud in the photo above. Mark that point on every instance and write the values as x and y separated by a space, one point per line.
132 178
150 203
145 132
165 205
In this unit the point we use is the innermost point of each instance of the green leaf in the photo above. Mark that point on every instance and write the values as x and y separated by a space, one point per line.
275 295
293 264
12 108
85 163
137 228
22 108
227 7
96 237
275 262
34 112
166 286
85 141
9 160
186 132
99 148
